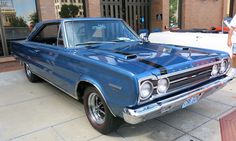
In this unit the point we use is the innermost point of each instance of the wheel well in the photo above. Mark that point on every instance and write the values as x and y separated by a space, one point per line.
81 88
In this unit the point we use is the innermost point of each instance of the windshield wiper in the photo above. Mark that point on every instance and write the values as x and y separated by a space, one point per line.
92 43
88 43
121 40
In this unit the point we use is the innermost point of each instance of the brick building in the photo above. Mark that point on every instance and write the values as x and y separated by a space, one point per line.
45 9
8 11
194 13
58 4
191 13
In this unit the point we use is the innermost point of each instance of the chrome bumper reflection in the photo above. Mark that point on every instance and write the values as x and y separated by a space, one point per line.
134 116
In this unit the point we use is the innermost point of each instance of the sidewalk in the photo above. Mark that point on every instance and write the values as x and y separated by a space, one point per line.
40 112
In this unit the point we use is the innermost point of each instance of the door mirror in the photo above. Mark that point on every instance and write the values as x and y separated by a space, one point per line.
144 36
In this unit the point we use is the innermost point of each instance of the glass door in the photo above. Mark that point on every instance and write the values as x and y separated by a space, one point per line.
175 11
1 46
18 18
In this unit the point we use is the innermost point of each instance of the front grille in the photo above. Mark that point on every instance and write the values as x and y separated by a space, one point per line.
184 81
189 79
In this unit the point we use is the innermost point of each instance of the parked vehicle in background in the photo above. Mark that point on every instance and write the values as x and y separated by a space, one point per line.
214 39
117 75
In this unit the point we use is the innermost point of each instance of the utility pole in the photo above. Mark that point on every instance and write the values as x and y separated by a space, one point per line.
3 36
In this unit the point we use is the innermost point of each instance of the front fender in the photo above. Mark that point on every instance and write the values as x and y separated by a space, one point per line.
99 87
115 98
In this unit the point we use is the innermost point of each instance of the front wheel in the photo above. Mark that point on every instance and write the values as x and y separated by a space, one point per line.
98 113
31 77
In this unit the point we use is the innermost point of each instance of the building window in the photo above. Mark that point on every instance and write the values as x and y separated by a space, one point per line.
232 8
175 7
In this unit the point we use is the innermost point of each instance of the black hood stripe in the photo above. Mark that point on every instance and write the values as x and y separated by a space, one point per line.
162 69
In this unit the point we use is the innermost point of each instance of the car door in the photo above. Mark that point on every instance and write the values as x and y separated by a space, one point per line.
43 46
65 68
52 57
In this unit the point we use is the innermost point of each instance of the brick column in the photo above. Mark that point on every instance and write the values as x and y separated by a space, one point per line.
165 11
156 9
159 7
224 8
203 14
93 8
46 9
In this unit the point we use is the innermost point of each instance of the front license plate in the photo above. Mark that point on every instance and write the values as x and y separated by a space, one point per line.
190 101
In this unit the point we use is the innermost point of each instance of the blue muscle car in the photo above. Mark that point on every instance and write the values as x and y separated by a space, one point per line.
118 75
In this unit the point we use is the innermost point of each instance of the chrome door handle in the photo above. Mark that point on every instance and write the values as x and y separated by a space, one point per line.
36 50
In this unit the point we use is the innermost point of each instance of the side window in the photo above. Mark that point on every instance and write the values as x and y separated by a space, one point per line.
60 41
49 35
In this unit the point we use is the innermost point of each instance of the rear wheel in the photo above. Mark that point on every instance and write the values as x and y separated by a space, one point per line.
31 77
98 113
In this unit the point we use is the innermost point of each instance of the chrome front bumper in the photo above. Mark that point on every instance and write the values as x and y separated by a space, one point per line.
134 116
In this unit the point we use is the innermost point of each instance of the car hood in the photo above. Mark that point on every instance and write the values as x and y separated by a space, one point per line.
147 57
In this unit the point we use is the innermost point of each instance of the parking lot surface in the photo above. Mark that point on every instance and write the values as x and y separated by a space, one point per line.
40 112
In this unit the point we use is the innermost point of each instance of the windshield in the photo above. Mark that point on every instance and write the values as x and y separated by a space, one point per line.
98 31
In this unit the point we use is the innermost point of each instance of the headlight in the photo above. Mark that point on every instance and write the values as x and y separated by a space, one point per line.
223 67
162 85
215 70
146 90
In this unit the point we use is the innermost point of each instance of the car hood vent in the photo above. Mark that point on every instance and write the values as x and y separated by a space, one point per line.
127 55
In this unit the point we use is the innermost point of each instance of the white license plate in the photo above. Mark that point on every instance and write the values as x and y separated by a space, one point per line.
190 101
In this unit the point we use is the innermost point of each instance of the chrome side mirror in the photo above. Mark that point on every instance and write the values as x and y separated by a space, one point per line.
144 36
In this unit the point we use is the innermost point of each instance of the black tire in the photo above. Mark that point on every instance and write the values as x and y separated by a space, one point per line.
31 77
110 123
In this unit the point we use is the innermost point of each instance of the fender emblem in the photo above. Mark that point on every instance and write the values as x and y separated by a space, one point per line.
115 86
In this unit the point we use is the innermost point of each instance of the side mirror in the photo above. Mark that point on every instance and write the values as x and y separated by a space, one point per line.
144 36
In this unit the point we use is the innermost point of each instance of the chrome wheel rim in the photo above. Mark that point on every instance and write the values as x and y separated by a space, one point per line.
28 72
96 108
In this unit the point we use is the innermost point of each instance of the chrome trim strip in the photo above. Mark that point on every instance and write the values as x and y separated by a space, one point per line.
147 112
75 97
65 34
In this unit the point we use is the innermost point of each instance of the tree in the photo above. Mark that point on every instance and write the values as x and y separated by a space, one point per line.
69 11
34 18
18 22
173 11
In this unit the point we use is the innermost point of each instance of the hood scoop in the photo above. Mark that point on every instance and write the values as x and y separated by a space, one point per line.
126 55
